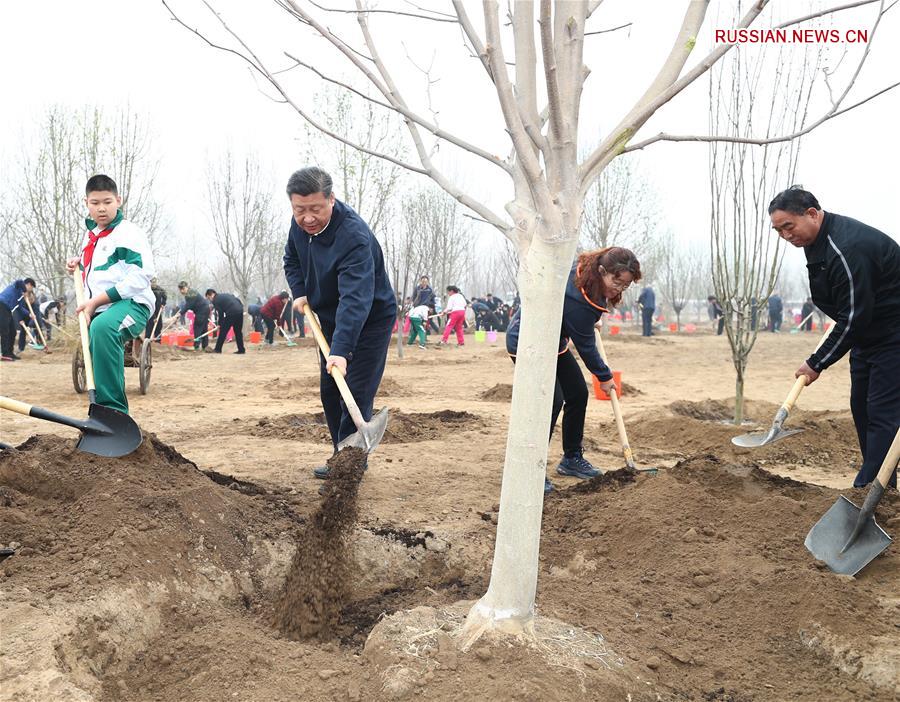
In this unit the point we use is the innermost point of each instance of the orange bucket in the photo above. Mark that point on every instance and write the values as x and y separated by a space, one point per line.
673 327
613 330
255 337
598 392
185 340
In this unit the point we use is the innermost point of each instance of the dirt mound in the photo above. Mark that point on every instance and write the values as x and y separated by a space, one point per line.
391 388
308 426
501 392
319 580
705 409
827 443
712 589
630 390
421 426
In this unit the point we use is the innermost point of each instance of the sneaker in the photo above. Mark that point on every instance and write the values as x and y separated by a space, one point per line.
577 466
422 346
441 343
240 352
548 486
7 358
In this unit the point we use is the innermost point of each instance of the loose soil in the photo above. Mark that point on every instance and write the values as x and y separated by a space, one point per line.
159 576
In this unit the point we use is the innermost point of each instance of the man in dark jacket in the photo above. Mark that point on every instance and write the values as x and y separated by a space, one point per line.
200 306
776 312
647 302
424 295
854 277
12 297
806 314
333 262
230 313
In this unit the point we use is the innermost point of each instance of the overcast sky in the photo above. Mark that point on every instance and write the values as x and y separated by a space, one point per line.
201 101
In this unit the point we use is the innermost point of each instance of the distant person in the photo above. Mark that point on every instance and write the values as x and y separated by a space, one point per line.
597 281
754 313
424 295
647 303
116 264
12 297
854 278
456 316
272 313
199 305
776 312
52 311
418 316
230 316
255 317
716 314
334 263
806 314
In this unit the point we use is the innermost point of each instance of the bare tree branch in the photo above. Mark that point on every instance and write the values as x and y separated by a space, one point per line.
386 12
550 70
829 11
607 31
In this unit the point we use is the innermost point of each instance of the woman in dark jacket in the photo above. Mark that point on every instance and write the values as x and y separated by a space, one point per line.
596 282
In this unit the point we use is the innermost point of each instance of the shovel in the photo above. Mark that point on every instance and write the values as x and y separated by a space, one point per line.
368 434
37 326
31 340
848 538
620 423
777 431
106 432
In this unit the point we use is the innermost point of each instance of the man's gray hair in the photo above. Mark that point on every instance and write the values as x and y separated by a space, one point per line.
308 181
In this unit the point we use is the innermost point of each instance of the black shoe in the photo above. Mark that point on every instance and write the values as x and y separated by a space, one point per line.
577 466
548 486
240 352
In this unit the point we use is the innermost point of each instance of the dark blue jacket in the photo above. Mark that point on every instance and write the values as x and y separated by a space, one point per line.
423 296
341 273
776 306
12 293
647 298
854 278
578 319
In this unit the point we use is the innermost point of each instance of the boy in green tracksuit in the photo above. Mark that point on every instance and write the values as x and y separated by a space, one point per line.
116 265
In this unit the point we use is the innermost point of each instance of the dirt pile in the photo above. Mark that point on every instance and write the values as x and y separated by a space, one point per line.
391 388
712 589
406 427
501 392
319 580
308 426
827 444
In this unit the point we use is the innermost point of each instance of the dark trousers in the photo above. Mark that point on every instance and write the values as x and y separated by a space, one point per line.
270 330
226 325
775 321
7 330
875 403
647 320
200 327
300 323
364 373
571 396
154 326
721 326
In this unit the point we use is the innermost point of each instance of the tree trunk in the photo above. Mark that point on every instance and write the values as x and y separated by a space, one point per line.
508 604
739 397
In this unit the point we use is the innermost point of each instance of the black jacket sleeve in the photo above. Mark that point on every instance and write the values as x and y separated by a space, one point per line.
850 275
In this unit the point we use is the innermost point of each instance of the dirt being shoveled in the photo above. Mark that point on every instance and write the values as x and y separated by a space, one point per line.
320 577
706 409
700 575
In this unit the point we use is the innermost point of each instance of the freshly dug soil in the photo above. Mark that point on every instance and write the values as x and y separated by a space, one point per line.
308 426
319 579
406 427
712 588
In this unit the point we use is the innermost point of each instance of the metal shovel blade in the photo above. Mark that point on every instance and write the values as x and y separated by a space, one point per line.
828 536
108 432
776 433
369 434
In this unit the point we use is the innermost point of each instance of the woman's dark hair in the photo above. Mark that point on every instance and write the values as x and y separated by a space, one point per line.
308 181
612 259
795 200
452 289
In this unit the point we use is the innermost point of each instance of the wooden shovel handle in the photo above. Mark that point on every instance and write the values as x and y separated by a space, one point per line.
890 461
801 382
28 332
617 411
8 403
339 379
83 328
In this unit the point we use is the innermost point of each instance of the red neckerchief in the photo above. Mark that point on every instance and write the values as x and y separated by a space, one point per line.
87 253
